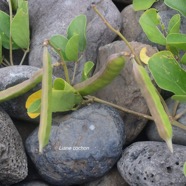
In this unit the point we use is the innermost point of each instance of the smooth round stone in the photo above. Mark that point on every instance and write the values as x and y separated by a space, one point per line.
151 164
13 160
83 145
179 135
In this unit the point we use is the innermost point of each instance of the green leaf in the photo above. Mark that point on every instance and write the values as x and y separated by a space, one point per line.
5 23
59 42
78 27
46 101
71 50
180 98
177 40
183 59
142 4
22 4
1 54
178 5
174 24
88 67
63 100
154 104
61 84
149 22
167 72
14 4
21 36
184 169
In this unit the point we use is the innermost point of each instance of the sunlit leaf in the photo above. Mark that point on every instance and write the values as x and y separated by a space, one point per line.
177 40
35 107
21 36
154 104
149 22
167 72
142 4
61 84
180 98
178 5
78 27
46 101
174 24
71 50
36 95
88 67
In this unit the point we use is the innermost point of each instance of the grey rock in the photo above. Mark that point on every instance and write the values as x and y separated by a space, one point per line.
112 178
32 183
123 90
11 76
132 30
48 18
4 6
83 146
179 135
13 159
151 164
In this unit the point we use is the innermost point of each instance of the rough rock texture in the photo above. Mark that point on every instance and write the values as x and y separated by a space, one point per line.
132 30
152 164
83 146
33 183
11 76
13 161
124 90
179 135
113 178
48 18
4 6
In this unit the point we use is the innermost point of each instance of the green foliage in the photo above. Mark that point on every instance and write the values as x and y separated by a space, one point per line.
154 104
174 24
88 67
142 4
184 169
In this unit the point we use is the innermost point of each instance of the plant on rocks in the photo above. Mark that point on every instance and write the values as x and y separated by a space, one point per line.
11 36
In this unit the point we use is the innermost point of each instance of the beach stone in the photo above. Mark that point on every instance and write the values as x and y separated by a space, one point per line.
48 18
179 135
123 90
151 164
112 178
13 159
32 183
13 75
83 146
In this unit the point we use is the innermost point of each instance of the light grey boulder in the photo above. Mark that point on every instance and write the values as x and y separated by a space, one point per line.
13 161
48 18
83 146
123 90
112 178
151 164
179 135
13 75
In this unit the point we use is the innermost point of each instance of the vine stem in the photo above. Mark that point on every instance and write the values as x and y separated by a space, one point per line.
116 32
10 40
74 73
23 58
95 99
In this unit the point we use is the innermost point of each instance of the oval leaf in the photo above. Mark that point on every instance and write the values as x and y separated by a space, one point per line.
149 22
178 5
177 40
174 24
71 50
21 36
88 67
78 26
167 72
142 4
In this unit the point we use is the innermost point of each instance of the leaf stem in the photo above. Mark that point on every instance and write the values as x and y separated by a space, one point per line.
116 32
74 73
178 124
24 55
95 99
10 40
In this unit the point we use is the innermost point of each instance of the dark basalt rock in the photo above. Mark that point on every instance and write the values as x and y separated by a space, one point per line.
83 146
